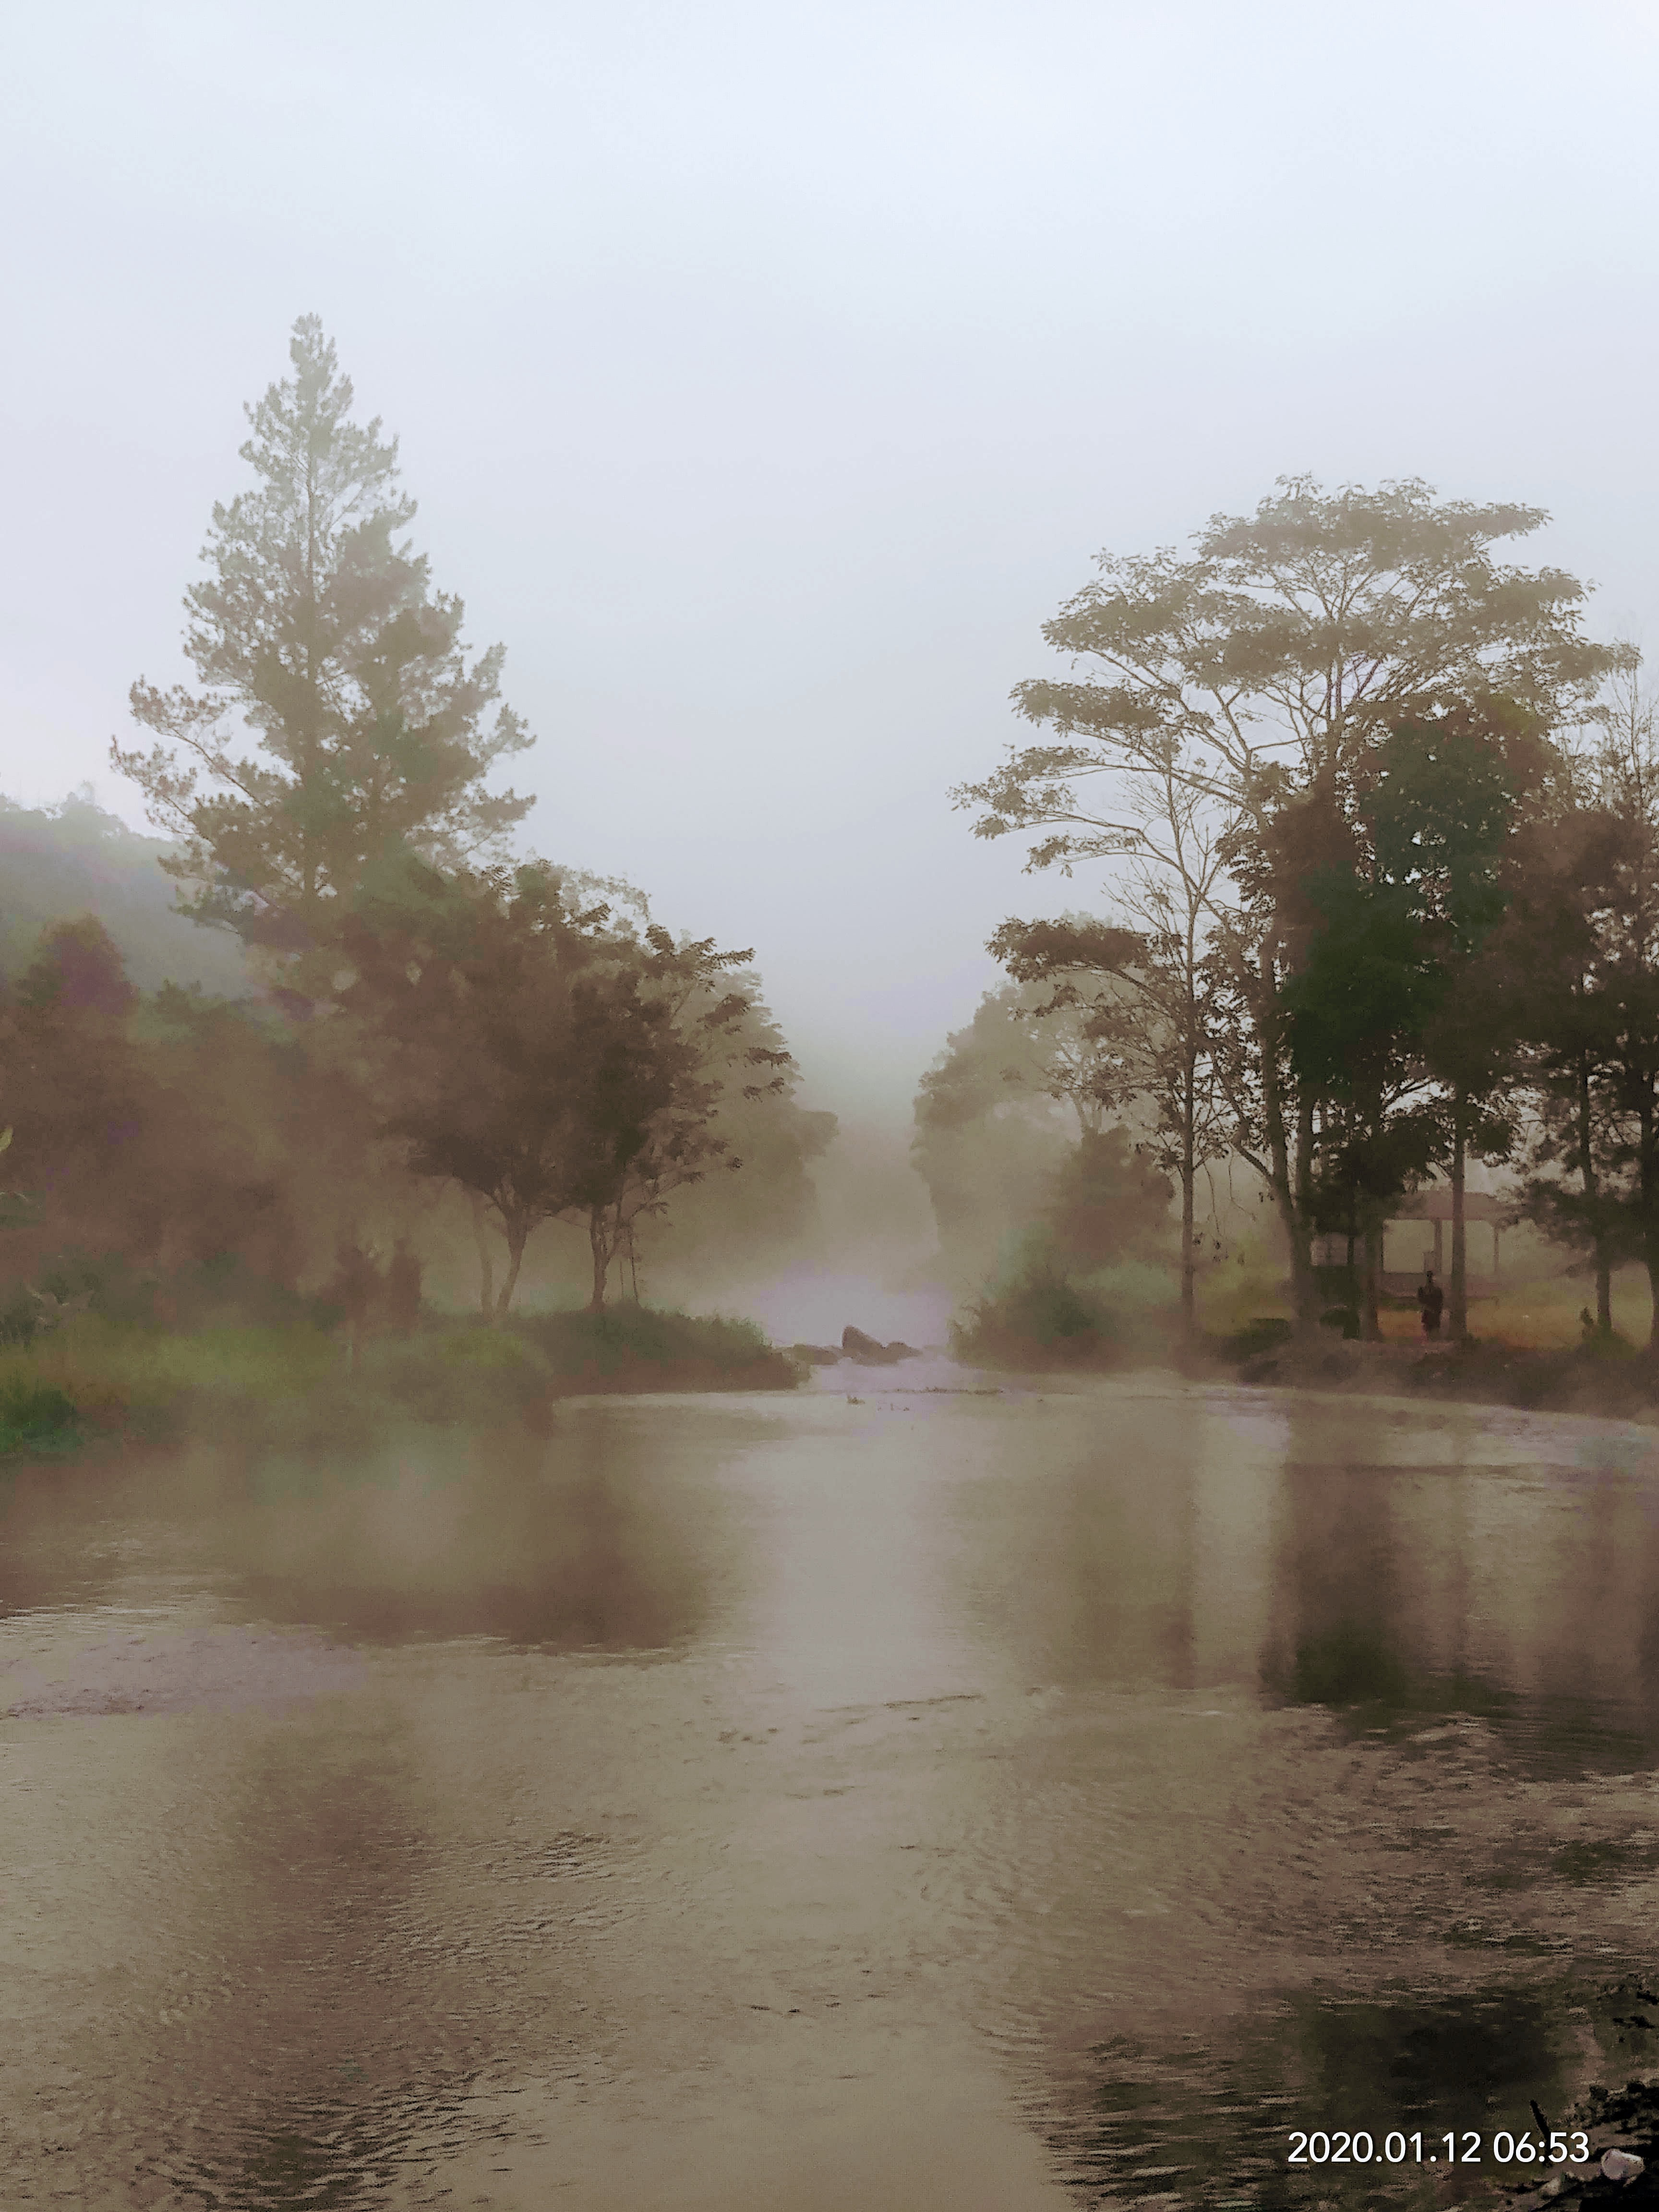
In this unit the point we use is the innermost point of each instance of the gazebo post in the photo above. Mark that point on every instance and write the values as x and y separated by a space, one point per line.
1439 1249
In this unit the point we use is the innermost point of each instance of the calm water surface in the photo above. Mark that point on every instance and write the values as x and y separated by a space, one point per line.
1048 1798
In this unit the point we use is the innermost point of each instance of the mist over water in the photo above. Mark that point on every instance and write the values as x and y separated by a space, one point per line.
938 1792
956 686
813 1306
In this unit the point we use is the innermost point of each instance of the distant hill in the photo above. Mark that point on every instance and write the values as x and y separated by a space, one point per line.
72 859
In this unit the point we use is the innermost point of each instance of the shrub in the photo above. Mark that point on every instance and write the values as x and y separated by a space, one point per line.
1267 1332
19 1316
36 1416
1603 1344
1045 1319
630 1337
485 1348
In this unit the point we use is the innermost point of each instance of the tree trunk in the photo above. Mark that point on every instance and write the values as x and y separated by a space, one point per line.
1460 1267
486 1263
1290 1185
518 1236
1304 1283
1371 1331
599 1243
1648 1174
1592 1193
1189 1258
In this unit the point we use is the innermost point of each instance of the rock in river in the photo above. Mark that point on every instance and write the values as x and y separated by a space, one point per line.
866 1350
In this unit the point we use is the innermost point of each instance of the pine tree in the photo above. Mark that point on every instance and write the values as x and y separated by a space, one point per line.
317 635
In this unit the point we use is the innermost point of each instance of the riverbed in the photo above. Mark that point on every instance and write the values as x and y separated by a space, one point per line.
922 1791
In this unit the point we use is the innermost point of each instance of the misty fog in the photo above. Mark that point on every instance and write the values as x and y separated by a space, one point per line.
828 1107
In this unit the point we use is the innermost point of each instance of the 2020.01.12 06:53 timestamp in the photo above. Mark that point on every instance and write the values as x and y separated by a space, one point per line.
1456 2147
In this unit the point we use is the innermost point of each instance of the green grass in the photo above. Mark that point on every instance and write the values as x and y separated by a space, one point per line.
115 1380
37 1420
103 1367
709 1351
294 1386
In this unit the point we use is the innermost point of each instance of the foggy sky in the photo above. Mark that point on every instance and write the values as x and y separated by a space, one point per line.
766 376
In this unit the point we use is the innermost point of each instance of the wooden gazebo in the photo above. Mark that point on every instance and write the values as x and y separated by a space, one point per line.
1433 1206
1431 1209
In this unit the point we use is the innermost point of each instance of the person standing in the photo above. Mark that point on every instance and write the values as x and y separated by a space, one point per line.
1431 1303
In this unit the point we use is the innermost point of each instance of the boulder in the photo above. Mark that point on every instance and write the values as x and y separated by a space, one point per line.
869 1353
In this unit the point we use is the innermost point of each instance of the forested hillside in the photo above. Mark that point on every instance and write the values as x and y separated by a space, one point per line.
74 858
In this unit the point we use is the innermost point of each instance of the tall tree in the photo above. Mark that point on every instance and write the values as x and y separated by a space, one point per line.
1260 670
75 1094
316 635
987 1140
725 1226
1454 811
1400 1036
550 1062
1358 1006
1568 1022
1599 1033
1145 983
728 1054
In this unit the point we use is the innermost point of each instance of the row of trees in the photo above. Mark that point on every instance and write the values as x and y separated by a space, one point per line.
434 1015
1384 824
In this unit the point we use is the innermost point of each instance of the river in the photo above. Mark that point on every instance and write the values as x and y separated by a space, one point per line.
916 1791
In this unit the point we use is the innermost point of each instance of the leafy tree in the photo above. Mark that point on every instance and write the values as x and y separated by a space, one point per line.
1569 1024
1357 1007
1261 671
1393 1039
264 1147
728 1226
317 635
73 1091
1595 1020
174 1143
1462 803
552 1063
1109 1201
1147 986
987 1137
1576 1133
737 1059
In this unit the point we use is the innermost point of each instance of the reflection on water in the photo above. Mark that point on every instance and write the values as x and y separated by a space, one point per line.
1524 1592
1199 2123
1050 1797
599 1545
1376 1559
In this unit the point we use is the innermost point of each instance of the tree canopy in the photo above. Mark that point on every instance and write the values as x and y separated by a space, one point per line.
316 635
1270 676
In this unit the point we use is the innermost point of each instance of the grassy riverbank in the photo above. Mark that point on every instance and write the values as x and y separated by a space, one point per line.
1599 1376
1059 1328
91 1378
